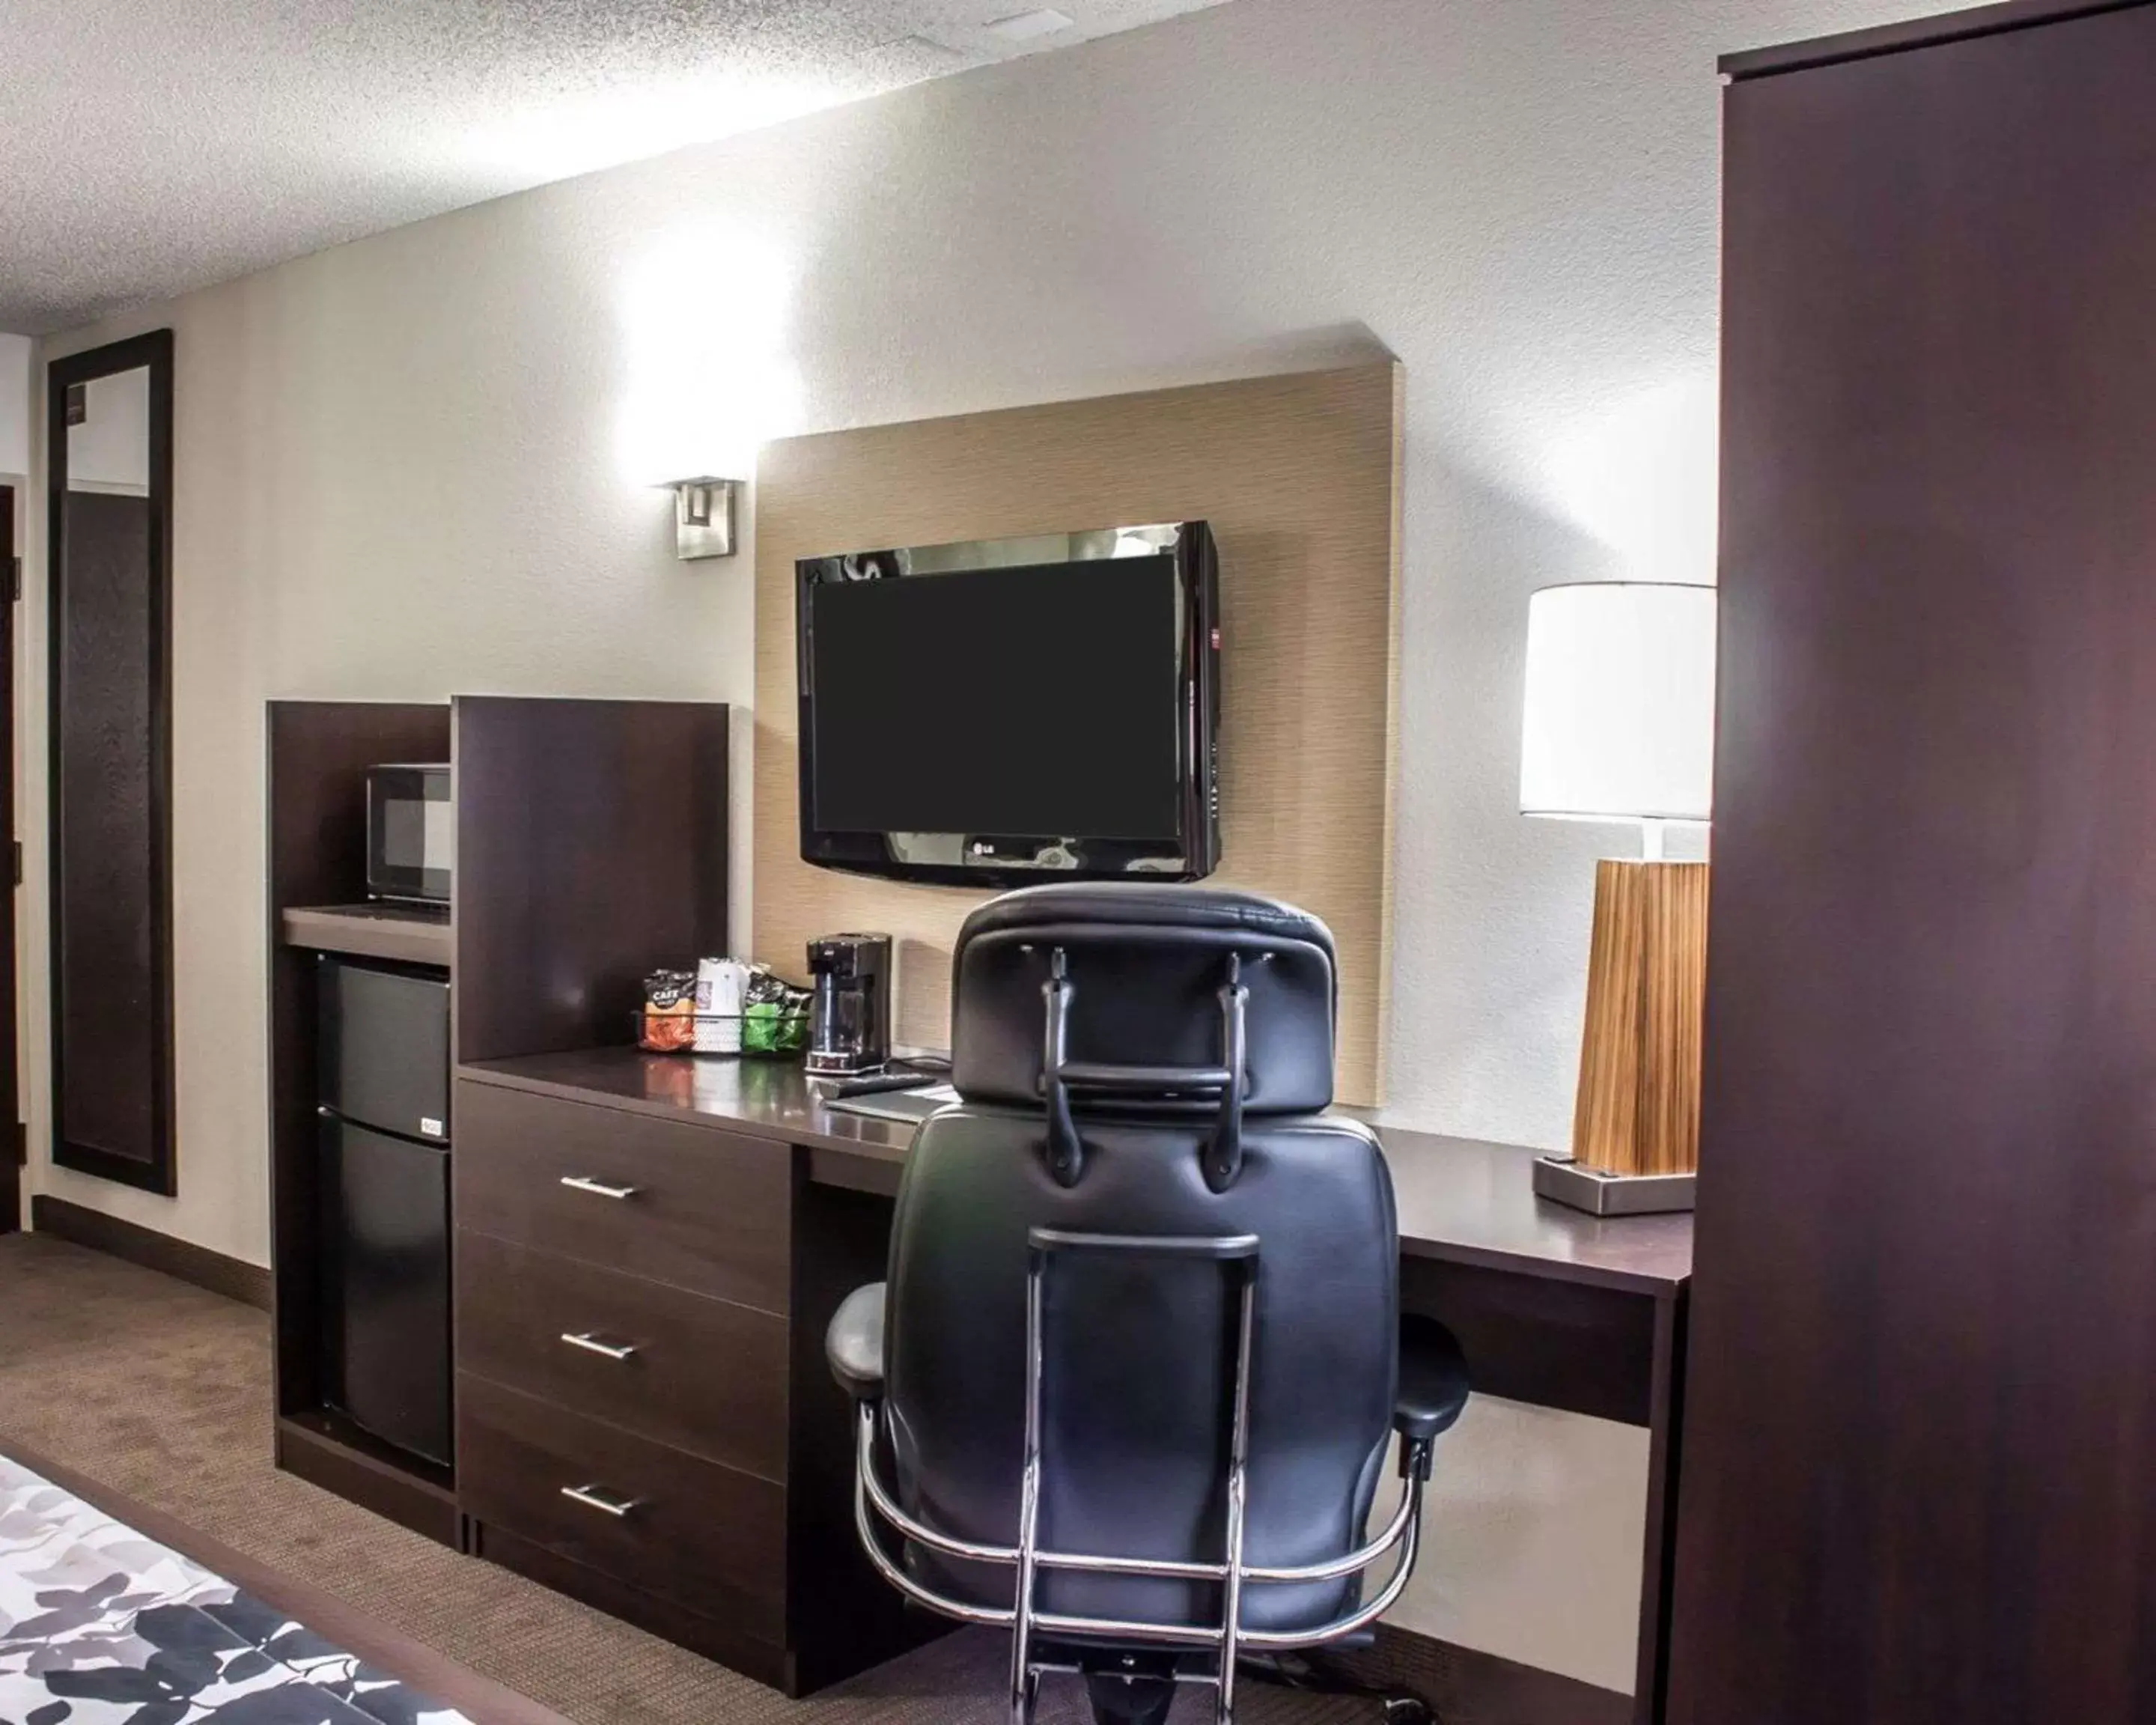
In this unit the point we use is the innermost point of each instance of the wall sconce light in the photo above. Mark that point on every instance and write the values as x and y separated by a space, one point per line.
704 517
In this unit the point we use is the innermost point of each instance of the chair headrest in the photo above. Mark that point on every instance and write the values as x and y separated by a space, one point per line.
1138 982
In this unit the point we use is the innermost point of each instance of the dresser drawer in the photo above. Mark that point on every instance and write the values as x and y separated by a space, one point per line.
685 1206
693 1372
672 1524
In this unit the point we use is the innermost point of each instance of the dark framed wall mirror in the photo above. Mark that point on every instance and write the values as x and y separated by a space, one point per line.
109 532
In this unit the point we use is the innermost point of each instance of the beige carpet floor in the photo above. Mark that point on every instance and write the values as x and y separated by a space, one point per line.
161 1391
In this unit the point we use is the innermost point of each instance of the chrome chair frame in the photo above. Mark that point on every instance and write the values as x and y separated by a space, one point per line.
1228 1640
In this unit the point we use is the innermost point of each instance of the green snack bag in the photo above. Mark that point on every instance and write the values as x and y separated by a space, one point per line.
762 1028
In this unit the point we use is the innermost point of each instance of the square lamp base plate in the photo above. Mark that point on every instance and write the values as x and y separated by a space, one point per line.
1564 1181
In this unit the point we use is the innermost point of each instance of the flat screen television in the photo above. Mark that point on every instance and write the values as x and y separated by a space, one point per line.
1004 711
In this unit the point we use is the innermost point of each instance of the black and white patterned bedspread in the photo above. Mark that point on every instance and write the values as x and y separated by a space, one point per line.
100 1626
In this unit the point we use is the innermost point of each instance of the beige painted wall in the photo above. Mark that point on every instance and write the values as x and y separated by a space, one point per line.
382 489
400 472
16 352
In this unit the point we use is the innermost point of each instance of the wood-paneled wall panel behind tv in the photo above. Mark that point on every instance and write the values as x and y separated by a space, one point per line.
1299 477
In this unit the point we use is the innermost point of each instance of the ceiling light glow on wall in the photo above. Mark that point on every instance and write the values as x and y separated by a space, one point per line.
705 316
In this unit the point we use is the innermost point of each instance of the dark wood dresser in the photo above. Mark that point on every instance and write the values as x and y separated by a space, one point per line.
644 1419
591 849
643 1269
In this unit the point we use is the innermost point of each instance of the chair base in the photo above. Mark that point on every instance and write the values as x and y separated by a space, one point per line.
1316 1673
1131 1700
1138 1688
1125 1685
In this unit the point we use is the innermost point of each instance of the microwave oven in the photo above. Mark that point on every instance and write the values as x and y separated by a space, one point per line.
410 833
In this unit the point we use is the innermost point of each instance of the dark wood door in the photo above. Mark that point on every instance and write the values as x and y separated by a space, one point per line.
11 1130
1919 1476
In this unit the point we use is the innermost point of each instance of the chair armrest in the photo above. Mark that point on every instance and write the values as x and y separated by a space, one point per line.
1433 1380
854 1344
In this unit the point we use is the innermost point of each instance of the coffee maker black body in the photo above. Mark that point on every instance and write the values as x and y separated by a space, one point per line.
849 1018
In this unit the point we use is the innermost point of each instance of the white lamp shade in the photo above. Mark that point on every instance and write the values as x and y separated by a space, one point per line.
1620 718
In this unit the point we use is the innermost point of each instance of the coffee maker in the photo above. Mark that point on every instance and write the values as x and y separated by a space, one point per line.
849 1016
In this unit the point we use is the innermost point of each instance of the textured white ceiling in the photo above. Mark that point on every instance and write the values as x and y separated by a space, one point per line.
149 146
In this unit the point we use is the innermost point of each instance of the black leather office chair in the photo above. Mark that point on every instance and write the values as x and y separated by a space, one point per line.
1131 1386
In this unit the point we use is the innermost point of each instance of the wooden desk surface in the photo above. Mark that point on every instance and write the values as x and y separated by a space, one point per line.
1461 1200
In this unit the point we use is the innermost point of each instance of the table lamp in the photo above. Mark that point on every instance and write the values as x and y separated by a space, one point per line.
1619 726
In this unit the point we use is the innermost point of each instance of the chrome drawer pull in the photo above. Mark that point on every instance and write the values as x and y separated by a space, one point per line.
597 1188
599 1499
592 1344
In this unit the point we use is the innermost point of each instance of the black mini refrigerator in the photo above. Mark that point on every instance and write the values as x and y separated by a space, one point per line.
384 1108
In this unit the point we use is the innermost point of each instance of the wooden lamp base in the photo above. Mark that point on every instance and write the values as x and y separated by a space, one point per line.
1637 1116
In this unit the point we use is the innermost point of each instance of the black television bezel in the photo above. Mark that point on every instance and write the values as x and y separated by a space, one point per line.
1195 852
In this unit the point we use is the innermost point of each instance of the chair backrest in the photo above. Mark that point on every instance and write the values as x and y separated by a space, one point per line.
1144 1061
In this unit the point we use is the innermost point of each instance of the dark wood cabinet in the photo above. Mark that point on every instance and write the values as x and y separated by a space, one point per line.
702 1375
591 849
681 1205
319 751
1917 1450
590 839
645 1417
660 1518
623 1352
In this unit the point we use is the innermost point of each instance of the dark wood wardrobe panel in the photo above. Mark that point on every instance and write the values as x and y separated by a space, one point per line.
591 849
1919 1481
1905 34
319 751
